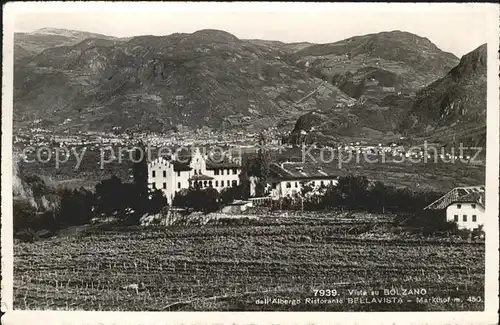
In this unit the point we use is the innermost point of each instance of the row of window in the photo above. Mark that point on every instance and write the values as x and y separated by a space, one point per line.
153 173
198 172
203 184
164 186
321 183
464 218
228 171
473 205
216 183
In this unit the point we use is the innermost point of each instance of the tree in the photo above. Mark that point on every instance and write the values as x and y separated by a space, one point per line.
263 161
332 197
157 201
227 195
353 191
245 178
37 185
306 188
112 196
180 198
379 197
140 177
76 207
210 198
25 216
196 199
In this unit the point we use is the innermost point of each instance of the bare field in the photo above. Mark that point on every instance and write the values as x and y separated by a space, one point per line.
231 267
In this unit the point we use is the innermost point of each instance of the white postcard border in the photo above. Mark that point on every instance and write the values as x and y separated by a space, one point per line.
78 317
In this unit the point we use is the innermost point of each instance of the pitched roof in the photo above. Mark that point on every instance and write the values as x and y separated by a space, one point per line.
475 197
473 194
223 164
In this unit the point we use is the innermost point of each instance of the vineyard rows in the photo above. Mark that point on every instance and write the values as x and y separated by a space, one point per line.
227 268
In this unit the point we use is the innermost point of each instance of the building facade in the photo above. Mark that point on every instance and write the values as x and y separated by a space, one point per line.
466 214
293 186
463 205
171 175
288 179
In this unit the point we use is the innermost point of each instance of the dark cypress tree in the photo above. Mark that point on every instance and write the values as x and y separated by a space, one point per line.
245 178
140 177
263 165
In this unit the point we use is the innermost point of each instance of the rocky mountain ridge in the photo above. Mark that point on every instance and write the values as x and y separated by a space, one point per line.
212 78
454 106
448 110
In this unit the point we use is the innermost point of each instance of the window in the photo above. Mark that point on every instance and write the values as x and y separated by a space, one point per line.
322 183
195 172
288 185
164 185
216 171
221 183
456 217
473 205
205 183
199 171
179 174
459 206
216 183
154 185
234 183
210 183
178 184
464 217
154 173
164 173
235 171
296 184
474 218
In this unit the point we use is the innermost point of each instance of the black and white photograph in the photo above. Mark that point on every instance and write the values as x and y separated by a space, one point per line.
233 157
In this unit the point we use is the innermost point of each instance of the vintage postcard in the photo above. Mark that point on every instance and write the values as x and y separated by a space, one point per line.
250 163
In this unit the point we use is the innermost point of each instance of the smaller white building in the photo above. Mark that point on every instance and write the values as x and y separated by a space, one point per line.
289 179
468 215
463 205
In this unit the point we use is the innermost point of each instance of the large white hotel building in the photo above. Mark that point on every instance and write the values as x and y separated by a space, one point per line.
172 175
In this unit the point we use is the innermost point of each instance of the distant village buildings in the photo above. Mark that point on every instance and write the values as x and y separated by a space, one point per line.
463 205
174 174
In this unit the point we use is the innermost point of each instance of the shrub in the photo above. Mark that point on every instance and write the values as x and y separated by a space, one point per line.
428 222
205 200
28 235
76 207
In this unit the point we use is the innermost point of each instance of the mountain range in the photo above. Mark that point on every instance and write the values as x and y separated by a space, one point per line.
363 86
453 107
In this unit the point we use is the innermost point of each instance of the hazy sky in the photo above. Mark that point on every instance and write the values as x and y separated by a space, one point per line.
457 28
